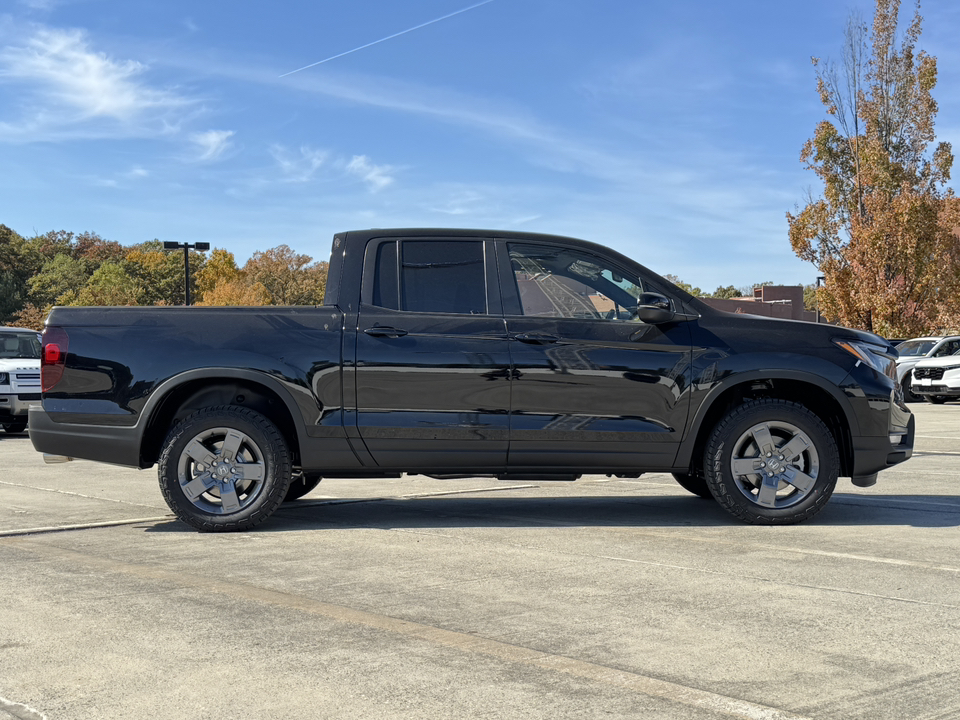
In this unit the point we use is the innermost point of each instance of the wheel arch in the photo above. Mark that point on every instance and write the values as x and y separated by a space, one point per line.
824 400
179 396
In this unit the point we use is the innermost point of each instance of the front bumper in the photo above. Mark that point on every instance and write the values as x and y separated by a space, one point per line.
17 404
873 454
936 389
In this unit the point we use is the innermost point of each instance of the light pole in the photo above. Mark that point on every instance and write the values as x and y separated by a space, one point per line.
819 279
172 245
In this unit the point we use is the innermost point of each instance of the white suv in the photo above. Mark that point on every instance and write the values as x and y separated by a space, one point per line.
19 376
937 379
915 350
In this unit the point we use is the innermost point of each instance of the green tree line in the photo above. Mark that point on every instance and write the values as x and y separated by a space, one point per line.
63 268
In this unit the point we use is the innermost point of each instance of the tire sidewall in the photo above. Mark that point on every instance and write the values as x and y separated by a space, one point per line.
723 485
276 460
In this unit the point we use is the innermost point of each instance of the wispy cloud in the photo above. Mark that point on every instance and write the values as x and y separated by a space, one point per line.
212 143
298 166
377 177
66 87
305 164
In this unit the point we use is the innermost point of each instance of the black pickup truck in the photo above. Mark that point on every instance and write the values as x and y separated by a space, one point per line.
469 352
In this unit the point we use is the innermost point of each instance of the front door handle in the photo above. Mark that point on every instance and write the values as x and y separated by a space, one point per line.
378 331
536 338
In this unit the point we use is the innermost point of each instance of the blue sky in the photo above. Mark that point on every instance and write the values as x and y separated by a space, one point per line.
668 130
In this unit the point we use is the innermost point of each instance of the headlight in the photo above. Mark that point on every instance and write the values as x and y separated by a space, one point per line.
872 356
4 378
951 367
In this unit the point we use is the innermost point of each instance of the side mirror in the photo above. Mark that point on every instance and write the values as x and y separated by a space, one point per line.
654 308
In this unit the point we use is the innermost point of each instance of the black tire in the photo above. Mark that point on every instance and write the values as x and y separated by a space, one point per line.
935 399
301 485
695 483
908 395
15 428
787 487
225 449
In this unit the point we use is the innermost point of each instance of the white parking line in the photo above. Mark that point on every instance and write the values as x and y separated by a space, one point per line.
75 494
81 526
20 711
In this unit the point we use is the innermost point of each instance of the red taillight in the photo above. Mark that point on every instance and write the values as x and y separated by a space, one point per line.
52 354
54 357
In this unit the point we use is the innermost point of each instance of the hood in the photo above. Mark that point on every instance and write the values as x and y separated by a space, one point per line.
14 364
946 361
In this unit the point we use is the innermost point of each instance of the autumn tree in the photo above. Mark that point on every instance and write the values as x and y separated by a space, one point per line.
158 274
221 282
289 278
883 232
110 284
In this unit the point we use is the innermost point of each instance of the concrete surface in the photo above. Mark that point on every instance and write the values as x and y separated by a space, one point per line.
419 598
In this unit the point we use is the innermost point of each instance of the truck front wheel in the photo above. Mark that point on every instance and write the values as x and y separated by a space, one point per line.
224 468
772 462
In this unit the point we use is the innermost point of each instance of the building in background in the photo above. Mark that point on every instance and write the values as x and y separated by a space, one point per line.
777 301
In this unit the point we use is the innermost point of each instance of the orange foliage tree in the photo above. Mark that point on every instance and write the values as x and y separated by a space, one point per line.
884 231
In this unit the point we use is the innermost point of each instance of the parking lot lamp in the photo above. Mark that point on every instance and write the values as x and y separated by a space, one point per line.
820 278
187 247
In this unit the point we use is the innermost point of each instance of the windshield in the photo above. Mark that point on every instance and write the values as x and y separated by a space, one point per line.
19 346
915 348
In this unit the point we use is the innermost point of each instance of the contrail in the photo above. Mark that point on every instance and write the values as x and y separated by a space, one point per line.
388 37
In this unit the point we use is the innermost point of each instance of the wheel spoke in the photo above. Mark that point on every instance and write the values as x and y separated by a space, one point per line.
198 486
231 444
746 466
763 439
199 454
250 471
228 497
768 491
800 480
793 448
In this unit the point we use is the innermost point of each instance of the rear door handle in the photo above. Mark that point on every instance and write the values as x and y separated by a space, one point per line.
378 331
536 338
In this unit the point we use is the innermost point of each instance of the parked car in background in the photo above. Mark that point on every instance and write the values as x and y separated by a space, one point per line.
913 351
937 379
19 376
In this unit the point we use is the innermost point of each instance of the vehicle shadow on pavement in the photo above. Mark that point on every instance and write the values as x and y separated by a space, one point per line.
681 511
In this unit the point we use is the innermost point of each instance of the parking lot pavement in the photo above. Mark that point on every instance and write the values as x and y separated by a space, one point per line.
420 598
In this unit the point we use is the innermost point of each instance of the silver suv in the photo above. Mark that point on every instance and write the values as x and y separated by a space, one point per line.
913 351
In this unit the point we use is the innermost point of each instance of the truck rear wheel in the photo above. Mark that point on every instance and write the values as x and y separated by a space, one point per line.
772 462
224 468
